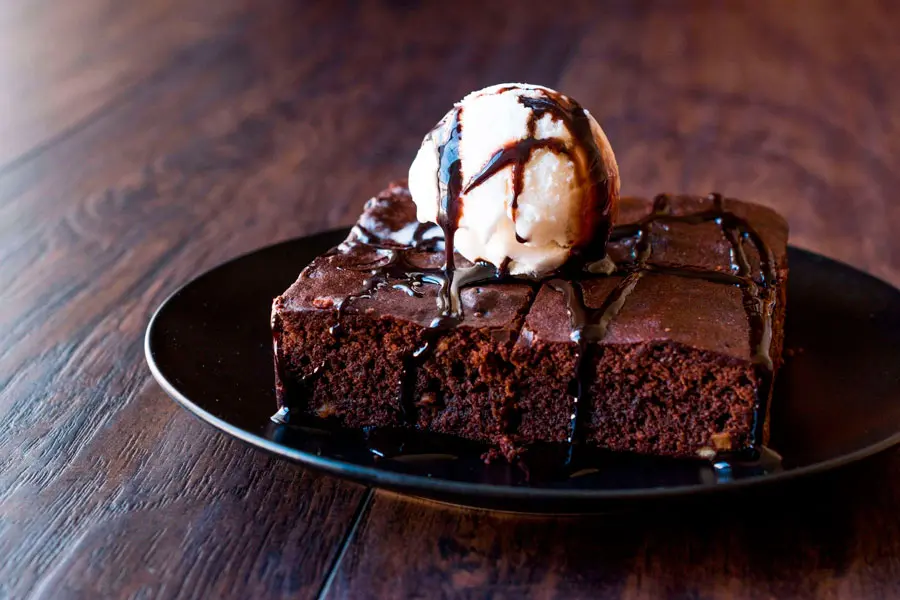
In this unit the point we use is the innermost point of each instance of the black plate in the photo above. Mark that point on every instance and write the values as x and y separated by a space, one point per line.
837 399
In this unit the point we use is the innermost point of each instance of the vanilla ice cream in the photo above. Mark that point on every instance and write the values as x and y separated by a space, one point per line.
539 180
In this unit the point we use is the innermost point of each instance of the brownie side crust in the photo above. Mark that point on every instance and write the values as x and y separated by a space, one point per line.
675 373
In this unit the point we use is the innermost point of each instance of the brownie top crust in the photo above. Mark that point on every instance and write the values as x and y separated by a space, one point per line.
673 306
387 230
681 268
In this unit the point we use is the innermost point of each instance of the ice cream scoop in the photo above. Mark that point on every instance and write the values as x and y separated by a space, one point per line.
519 176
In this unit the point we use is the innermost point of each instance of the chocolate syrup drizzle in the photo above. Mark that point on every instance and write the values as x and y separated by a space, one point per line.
393 266
588 325
591 325
517 154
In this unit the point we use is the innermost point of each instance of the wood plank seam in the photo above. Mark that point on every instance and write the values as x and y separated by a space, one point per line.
358 516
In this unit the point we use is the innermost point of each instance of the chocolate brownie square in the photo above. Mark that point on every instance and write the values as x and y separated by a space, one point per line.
667 347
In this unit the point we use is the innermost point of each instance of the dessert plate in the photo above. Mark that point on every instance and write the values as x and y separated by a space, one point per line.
837 398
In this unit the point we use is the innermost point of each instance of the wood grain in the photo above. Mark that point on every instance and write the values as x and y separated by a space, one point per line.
827 538
142 143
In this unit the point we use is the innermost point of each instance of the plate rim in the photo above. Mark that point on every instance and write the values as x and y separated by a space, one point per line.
459 489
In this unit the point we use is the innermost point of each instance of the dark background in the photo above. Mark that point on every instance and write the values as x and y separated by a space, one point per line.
144 142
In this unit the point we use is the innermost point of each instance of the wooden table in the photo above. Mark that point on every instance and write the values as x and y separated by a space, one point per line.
144 142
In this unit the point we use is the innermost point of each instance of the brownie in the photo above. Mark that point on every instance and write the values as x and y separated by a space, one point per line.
667 347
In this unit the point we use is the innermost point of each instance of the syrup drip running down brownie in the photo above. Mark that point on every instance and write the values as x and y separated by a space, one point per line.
664 341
